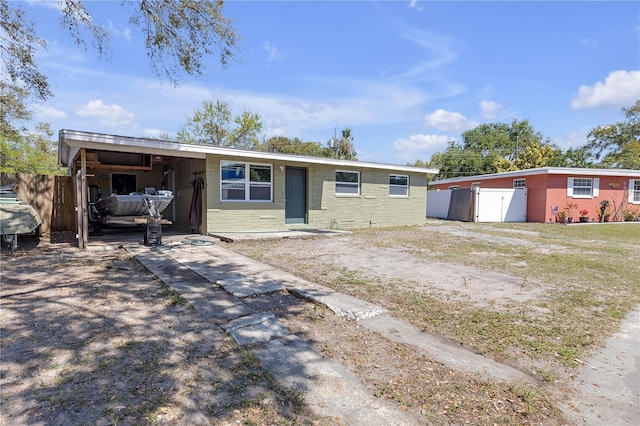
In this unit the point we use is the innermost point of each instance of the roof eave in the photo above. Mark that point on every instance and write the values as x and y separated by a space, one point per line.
159 147
542 170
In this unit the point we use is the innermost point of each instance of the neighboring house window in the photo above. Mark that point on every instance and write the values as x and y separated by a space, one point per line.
519 183
347 183
454 187
583 187
399 185
238 185
634 191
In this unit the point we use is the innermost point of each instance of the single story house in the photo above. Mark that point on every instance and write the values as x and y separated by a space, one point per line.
244 190
551 189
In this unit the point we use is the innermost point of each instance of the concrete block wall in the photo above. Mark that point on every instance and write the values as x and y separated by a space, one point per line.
243 216
373 207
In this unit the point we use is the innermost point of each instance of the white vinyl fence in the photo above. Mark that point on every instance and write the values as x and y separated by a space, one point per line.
481 205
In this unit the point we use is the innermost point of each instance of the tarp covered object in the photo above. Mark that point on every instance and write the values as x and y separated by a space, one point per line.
18 219
195 214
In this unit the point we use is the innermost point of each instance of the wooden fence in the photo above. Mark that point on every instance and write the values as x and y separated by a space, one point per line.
51 196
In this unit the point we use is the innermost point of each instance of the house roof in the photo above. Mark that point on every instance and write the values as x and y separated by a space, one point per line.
70 142
541 171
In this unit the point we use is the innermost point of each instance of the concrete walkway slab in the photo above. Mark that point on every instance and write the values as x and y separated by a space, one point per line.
609 383
259 327
206 297
328 388
238 275
350 307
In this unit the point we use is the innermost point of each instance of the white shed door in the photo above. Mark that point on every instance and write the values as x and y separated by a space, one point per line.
501 205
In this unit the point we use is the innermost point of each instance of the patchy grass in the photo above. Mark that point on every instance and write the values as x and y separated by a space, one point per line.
595 284
588 282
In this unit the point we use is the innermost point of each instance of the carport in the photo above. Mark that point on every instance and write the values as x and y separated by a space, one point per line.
111 164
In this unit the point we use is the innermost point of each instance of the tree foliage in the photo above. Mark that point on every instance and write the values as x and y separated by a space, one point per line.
212 125
19 44
247 131
32 152
617 145
179 36
344 147
496 147
295 146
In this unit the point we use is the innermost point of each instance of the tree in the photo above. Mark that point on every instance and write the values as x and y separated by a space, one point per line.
576 157
617 145
295 146
207 126
537 155
247 131
211 125
178 35
344 148
496 147
33 152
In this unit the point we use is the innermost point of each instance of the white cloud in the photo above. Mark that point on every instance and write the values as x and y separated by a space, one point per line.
571 140
439 49
490 109
414 4
588 42
119 31
620 88
272 52
44 113
109 115
447 121
152 133
420 142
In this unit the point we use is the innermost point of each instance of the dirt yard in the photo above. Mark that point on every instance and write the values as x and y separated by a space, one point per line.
93 338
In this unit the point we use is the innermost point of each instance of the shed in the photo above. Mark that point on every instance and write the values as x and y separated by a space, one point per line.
551 189
244 190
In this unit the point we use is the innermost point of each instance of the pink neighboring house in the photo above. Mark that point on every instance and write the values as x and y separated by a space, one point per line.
550 189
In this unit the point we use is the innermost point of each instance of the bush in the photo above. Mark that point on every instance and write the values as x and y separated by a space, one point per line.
629 215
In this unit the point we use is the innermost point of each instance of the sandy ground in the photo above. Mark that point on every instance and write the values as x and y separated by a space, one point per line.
605 390
92 338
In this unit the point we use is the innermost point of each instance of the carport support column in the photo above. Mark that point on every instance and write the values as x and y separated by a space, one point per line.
81 200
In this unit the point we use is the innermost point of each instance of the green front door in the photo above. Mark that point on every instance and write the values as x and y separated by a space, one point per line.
295 192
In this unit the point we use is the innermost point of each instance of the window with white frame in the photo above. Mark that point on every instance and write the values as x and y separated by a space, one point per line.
519 183
399 185
245 182
347 183
582 187
634 191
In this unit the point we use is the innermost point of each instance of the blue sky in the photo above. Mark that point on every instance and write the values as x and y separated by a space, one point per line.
405 76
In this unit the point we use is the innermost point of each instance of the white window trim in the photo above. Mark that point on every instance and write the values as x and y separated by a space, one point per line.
339 194
595 187
247 182
523 180
399 186
632 191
